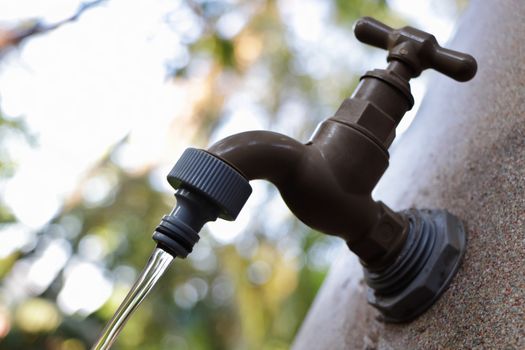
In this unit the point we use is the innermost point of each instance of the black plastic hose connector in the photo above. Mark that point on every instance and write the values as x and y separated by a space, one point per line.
213 178
207 188
178 232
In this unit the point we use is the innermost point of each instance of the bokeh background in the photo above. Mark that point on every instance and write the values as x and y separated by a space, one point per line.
98 100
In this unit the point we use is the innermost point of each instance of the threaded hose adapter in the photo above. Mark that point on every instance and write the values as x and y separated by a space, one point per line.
207 188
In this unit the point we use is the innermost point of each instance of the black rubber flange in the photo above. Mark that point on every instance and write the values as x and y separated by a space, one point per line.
435 245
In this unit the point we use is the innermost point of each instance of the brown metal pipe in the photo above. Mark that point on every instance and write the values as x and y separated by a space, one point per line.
326 182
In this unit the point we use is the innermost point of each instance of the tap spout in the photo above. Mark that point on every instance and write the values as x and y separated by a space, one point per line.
261 155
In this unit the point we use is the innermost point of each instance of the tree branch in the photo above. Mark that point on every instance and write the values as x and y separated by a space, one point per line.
13 37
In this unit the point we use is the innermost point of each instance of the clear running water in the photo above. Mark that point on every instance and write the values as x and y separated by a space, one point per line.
155 268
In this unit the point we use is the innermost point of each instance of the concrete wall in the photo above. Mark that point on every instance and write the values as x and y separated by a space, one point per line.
465 152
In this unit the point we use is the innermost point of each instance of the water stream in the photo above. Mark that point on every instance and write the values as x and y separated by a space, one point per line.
155 268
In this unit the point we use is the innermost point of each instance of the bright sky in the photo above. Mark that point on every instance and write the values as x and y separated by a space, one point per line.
88 84
82 88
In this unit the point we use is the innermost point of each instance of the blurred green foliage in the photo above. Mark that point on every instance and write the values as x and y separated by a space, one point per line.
253 294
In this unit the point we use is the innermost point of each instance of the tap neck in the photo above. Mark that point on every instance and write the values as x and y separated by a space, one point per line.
378 103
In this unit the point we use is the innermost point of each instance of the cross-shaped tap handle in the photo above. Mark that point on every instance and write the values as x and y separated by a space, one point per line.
418 50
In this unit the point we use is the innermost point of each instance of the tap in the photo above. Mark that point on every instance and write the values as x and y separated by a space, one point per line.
409 257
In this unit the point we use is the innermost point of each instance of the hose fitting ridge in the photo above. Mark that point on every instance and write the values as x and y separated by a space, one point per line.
175 237
212 177
423 270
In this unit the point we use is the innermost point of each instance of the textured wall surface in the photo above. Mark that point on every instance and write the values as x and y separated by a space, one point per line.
465 152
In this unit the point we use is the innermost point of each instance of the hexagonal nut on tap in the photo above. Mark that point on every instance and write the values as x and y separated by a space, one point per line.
368 118
424 269
383 241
